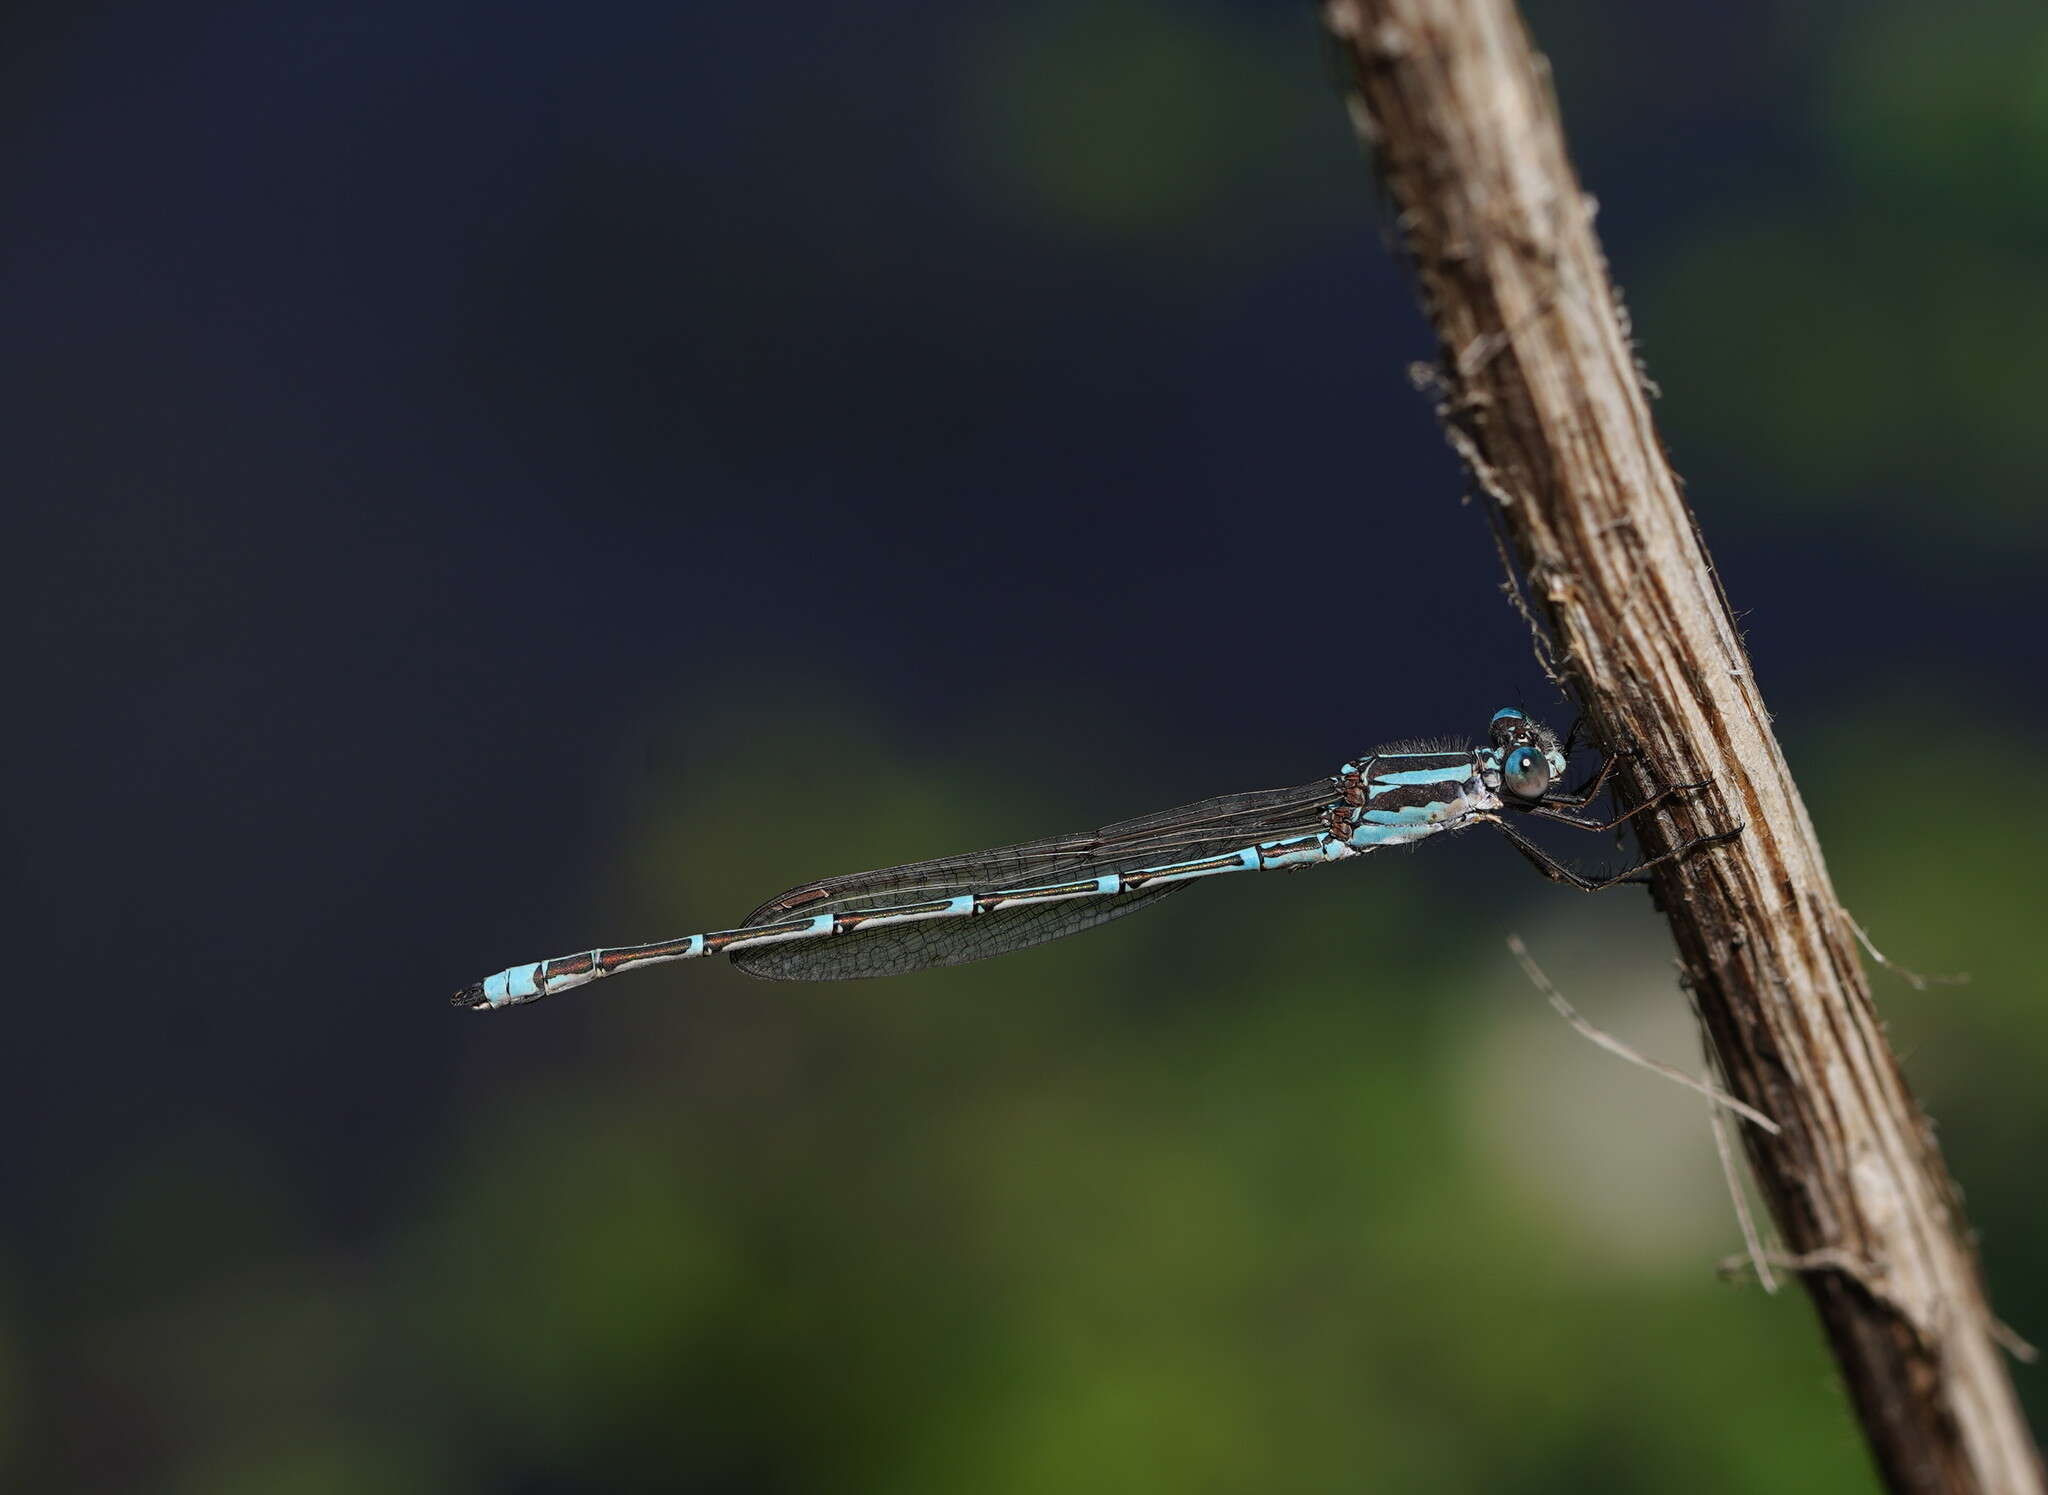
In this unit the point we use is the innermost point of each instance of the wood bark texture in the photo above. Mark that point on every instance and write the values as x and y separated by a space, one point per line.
1543 398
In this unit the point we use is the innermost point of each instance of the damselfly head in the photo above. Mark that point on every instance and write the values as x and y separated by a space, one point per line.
1529 753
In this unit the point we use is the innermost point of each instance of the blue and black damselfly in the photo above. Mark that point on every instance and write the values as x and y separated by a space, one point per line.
956 909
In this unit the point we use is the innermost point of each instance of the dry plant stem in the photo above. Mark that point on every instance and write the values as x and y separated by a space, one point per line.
1542 396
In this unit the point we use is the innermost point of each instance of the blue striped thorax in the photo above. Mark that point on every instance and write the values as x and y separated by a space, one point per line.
1406 791
1403 793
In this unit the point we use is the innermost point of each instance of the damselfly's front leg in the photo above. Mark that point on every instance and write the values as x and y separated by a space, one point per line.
1586 793
1571 737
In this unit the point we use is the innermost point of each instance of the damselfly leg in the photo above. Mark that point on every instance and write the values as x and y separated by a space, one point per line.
1557 871
1586 793
1558 808
1571 736
1563 806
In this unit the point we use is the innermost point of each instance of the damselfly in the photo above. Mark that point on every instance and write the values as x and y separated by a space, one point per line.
956 909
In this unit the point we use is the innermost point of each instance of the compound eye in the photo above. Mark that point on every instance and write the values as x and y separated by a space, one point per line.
1525 773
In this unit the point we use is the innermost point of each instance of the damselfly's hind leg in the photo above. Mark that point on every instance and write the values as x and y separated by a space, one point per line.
1557 871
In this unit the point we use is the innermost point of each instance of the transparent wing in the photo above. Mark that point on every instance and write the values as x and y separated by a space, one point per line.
1187 833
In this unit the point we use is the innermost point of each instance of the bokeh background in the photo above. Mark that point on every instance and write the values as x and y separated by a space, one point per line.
487 480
